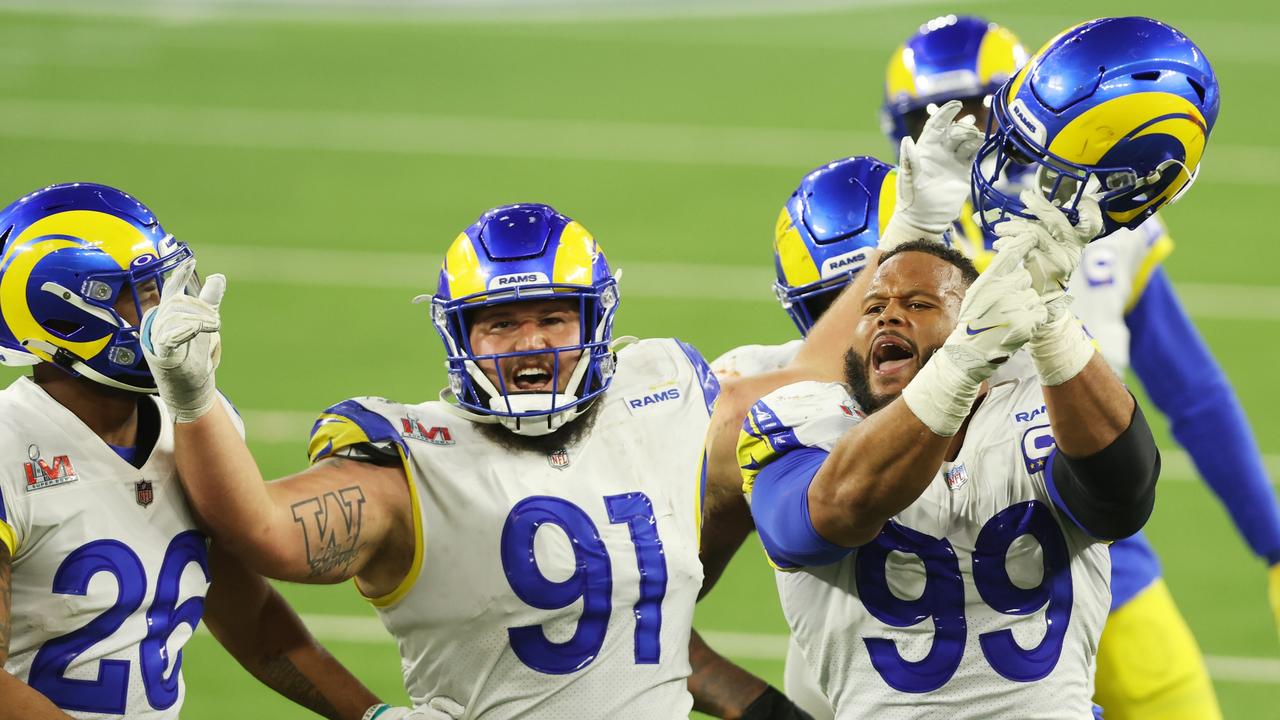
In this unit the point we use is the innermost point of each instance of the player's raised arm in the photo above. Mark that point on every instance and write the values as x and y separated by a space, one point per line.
18 700
255 624
883 464
1106 463
322 525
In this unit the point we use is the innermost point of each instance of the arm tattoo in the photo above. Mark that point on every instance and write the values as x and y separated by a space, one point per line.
330 525
280 674
6 601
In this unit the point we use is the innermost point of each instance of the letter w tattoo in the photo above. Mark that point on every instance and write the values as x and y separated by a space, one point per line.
331 530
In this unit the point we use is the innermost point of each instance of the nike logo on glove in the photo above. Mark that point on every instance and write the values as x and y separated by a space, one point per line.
979 331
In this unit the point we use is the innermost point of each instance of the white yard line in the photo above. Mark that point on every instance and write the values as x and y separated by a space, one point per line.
761 646
410 134
415 272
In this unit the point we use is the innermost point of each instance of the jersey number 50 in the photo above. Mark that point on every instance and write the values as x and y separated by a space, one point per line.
108 693
943 599
592 579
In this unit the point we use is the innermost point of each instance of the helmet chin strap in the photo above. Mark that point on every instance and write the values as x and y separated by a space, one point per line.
64 359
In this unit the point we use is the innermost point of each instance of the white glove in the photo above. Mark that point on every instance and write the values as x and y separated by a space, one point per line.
933 177
1060 348
998 315
1056 244
180 340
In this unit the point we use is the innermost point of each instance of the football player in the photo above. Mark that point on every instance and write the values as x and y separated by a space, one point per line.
530 538
1136 128
979 511
104 571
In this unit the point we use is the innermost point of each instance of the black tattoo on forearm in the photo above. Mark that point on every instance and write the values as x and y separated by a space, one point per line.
6 601
280 674
331 526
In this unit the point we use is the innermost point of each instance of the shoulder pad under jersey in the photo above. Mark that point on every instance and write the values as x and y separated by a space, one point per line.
353 422
802 415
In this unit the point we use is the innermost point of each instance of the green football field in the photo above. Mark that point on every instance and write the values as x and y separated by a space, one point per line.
323 159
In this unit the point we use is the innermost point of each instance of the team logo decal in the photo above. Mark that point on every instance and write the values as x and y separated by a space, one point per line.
559 459
653 398
1037 444
143 492
957 477
1029 415
41 475
413 428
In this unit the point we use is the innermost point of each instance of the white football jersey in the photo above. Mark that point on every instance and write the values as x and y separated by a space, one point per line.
551 586
980 600
748 360
109 571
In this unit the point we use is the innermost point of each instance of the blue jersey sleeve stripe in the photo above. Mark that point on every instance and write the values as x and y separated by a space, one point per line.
1184 380
780 507
706 378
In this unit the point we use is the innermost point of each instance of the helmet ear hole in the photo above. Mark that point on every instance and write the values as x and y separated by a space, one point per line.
65 328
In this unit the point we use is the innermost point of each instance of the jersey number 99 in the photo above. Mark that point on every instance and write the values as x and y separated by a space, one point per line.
943 599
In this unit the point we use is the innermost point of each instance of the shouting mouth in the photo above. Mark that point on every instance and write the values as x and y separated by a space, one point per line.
532 378
891 355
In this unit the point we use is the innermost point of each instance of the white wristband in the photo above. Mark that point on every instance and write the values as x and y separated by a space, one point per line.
941 394
1060 349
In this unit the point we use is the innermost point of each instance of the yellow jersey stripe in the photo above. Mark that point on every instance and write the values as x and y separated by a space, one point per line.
1160 250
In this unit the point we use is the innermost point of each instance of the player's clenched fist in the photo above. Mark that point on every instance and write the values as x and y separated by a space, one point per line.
181 342
1052 247
999 313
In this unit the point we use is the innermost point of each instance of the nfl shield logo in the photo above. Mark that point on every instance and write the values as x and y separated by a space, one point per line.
559 459
142 492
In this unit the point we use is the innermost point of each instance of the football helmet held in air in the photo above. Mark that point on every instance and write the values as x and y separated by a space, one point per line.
74 255
827 231
1118 106
516 253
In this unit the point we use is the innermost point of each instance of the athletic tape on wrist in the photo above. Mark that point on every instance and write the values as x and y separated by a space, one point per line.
1060 350
941 395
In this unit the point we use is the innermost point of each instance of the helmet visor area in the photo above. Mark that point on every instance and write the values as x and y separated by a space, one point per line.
569 374
1008 163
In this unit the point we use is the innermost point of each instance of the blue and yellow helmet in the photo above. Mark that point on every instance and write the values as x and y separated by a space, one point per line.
826 232
949 58
517 253
1127 102
73 256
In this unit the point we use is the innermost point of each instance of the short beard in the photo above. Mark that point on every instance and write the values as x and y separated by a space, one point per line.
565 437
855 376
